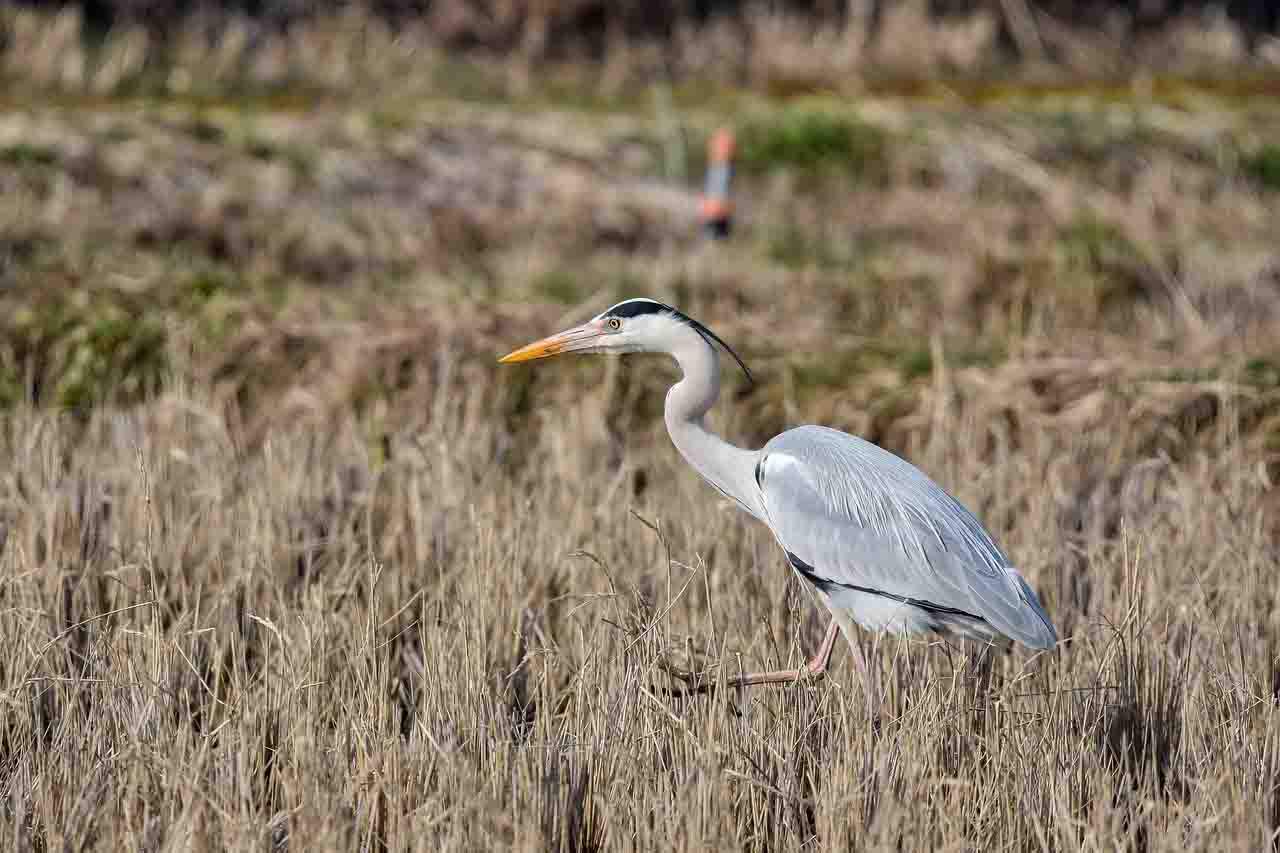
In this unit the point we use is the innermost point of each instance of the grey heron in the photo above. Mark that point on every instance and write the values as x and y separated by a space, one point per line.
881 544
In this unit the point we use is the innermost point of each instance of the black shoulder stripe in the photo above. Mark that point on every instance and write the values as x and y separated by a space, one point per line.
807 571
760 483
827 585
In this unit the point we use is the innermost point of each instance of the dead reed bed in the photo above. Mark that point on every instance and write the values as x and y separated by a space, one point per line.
287 562
452 638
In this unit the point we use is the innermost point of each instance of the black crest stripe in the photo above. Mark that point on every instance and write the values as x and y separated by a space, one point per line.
638 308
712 336
641 307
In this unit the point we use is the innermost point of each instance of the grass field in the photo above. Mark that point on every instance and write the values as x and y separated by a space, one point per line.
288 562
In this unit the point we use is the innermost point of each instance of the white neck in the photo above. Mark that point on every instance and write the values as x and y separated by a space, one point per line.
730 469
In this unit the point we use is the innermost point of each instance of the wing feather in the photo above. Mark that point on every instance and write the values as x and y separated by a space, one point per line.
866 520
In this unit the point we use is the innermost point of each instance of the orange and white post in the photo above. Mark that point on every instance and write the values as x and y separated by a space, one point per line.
717 208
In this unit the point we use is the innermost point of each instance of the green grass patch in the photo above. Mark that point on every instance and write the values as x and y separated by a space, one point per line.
814 141
1099 272
829 370
559 286
911 359
467 80
795 248
214 299
27 155
204 130
1097 257
1092 243
1263 166
90 347
390 121
205 285
11 387
1187 375
915 363
267 150
118 352
1262 373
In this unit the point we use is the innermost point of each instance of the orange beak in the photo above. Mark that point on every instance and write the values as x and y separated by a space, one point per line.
578 338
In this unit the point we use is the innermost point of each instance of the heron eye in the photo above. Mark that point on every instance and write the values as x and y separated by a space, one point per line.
615 323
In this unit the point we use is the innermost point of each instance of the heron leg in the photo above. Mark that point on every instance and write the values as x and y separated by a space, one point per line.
816 667
870 685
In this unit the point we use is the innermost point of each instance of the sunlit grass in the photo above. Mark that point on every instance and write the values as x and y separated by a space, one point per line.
287 561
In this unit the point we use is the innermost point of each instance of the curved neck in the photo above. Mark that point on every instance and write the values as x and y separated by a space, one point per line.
730 469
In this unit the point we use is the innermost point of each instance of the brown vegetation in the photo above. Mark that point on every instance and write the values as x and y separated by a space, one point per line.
799 45
287 562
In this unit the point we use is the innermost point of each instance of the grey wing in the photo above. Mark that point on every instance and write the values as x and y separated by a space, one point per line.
870 529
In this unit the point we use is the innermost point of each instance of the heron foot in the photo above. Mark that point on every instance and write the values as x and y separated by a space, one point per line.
705 682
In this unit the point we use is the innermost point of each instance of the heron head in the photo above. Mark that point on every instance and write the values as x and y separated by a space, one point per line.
635 325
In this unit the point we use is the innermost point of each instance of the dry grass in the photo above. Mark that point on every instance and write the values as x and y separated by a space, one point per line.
445 642
287 562
780 47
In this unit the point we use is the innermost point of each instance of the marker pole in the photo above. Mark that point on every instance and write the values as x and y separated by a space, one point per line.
716 210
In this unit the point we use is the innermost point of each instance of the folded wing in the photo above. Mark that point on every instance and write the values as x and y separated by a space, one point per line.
876 535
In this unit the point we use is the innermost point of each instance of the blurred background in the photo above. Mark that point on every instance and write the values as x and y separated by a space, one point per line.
307 202
1044 218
